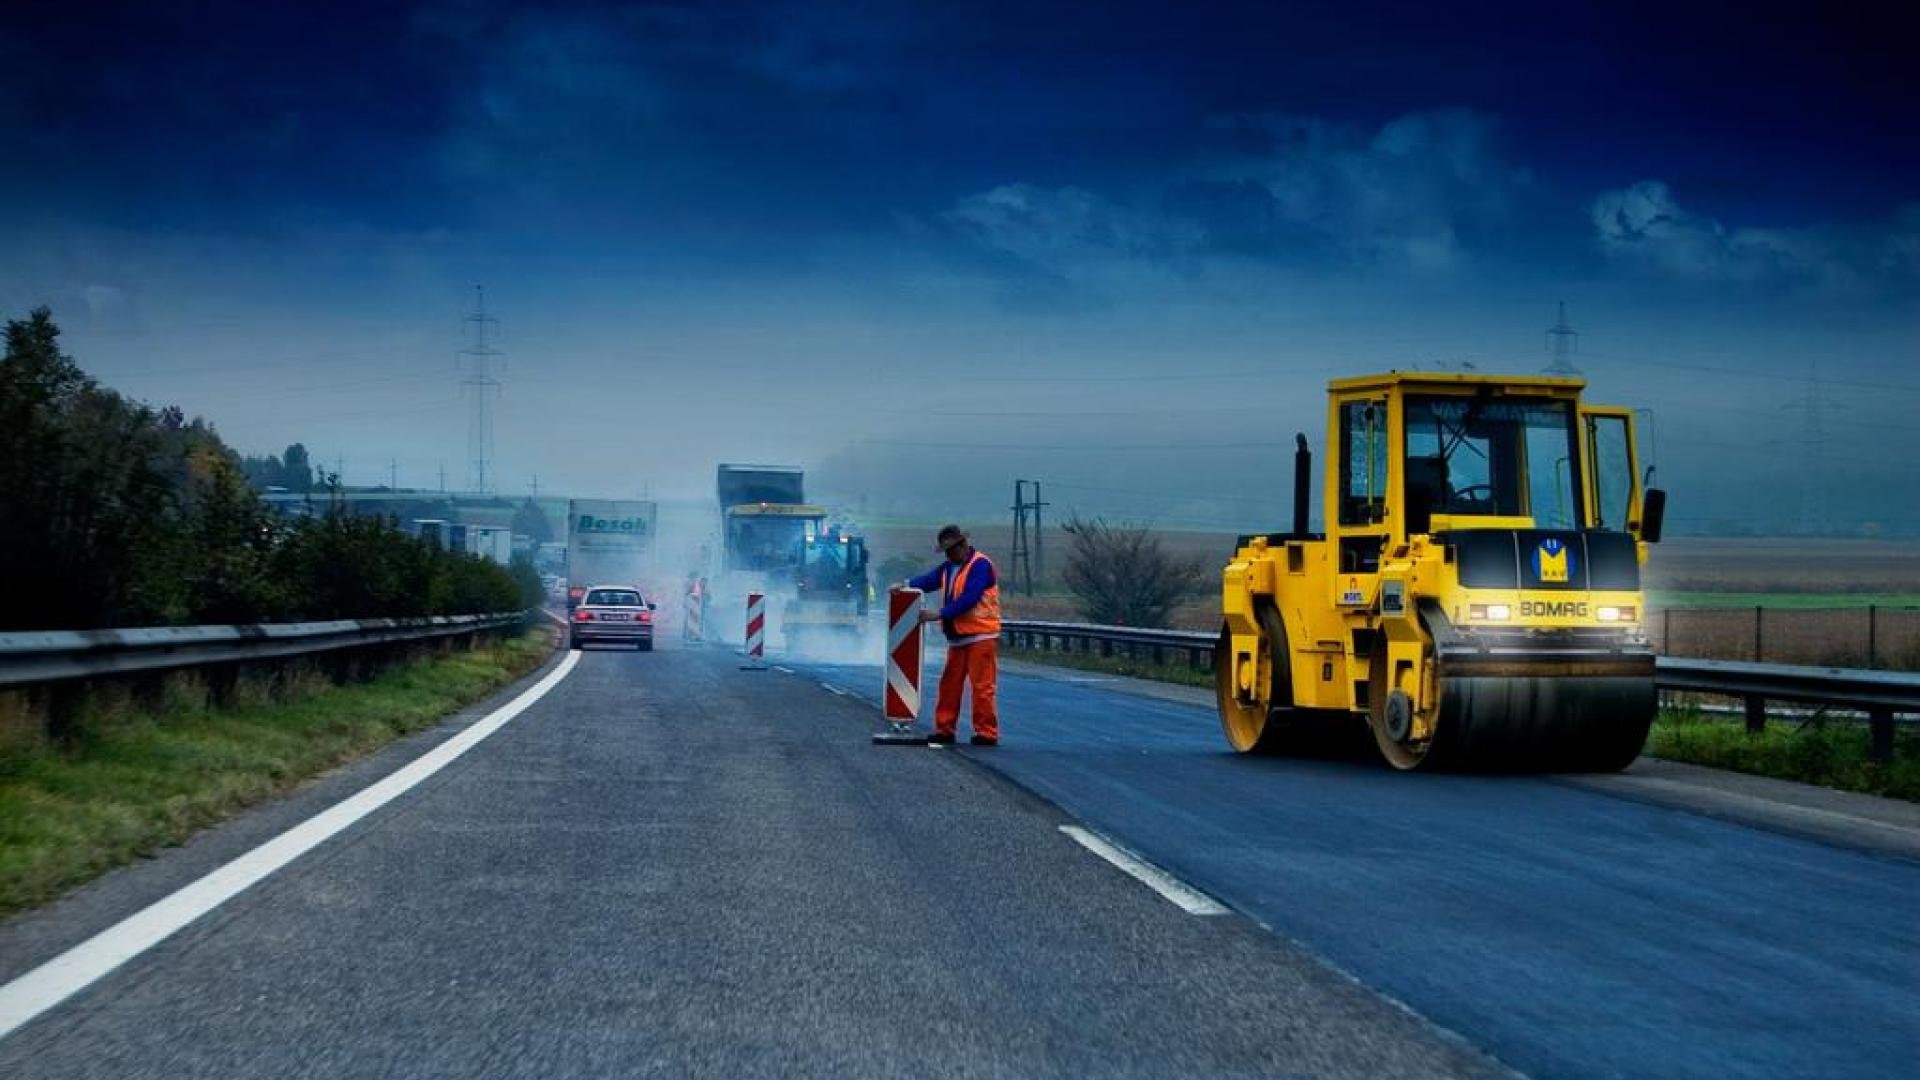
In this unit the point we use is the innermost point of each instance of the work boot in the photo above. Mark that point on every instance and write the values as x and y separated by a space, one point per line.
984 740
938 739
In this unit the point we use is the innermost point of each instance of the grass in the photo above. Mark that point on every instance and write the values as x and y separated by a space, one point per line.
1118 664
136 780
1831 753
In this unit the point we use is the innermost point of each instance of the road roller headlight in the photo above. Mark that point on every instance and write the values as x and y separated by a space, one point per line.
1615 614
1491 612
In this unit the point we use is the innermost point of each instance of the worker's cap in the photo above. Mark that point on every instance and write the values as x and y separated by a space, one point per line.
949 536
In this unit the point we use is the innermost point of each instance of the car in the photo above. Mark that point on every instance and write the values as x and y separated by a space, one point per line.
612 613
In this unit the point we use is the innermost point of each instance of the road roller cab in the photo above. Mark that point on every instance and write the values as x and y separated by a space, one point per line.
1476 595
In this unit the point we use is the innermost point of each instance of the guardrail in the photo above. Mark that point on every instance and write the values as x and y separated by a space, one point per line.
34 657
1886 697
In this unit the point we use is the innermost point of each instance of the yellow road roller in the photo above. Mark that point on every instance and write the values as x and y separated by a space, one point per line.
1476 595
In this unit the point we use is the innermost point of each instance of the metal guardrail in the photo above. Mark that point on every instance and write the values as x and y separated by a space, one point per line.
1884 696
43 656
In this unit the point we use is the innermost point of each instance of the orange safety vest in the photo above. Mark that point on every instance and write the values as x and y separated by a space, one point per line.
984 617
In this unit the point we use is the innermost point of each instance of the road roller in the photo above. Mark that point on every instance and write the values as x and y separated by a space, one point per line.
1475 598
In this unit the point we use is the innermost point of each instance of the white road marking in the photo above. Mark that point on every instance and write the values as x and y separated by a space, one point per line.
1179 893
79 967
832 689
783 670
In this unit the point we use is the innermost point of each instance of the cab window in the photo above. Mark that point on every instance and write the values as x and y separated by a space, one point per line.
1363 462
1612 472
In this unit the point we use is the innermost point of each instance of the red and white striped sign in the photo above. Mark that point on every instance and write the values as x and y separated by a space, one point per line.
756 625
904 654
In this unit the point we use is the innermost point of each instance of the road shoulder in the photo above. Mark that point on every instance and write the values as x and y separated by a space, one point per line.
33 937
1844 818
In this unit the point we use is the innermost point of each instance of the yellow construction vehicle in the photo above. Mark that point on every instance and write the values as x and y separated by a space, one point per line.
1476 595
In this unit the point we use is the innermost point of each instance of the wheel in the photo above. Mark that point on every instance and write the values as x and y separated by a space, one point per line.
1391 715
573 641
1260 728
644 645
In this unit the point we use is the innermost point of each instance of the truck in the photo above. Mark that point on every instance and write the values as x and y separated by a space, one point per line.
811 566
609 542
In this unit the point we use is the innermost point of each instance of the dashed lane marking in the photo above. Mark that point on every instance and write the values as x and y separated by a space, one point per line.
1179 893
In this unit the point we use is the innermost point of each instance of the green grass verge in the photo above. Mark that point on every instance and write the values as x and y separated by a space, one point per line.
146 780
1114 665
1661 598
1831 753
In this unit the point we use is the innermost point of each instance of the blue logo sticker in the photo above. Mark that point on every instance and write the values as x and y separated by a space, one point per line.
1553 561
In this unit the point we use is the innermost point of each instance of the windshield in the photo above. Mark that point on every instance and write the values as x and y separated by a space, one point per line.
1494 457
613 598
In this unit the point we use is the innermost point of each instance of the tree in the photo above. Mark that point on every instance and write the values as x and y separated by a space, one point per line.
1120 575
531 521
296 471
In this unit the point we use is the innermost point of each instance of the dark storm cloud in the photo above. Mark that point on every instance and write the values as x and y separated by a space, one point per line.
808 217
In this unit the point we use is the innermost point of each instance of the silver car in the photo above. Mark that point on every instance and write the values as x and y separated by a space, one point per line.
614 613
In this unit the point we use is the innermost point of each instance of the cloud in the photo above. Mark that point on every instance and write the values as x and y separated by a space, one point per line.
1644 224
1414 195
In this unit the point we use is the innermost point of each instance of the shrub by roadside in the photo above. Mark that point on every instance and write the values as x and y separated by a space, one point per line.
1832 753
134 780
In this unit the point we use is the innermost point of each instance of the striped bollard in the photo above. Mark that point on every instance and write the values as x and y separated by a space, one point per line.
905 652
756 632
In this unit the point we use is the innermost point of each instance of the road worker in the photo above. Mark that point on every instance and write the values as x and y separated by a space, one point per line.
969 614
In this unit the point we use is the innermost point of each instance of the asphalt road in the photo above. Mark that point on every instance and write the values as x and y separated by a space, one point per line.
1565 930
669 866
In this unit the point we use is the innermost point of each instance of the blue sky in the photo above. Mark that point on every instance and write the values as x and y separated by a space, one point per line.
1112 245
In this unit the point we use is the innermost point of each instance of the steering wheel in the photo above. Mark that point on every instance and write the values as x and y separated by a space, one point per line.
1475 496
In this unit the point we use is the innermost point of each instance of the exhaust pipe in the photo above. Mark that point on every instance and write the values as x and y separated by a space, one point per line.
1302 481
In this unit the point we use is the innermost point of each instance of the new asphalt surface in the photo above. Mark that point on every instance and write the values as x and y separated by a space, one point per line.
669 866
1565 930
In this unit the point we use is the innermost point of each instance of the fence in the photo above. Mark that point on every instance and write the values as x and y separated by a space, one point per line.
34 658
1870 637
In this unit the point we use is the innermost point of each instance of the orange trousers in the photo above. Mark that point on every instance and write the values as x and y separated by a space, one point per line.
979 664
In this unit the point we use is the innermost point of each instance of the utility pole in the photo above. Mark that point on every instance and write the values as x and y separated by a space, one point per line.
536 485
1562 341
480 387
1026 560
443 478
1039 535
393 474
1019 560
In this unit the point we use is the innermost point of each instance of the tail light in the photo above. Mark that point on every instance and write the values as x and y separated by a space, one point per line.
582 615
645 616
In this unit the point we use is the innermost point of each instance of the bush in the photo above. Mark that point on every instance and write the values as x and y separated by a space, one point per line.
115 514
1120 575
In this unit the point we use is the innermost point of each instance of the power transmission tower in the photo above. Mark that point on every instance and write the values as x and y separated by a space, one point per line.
393 474
480 387
1019 560
1562 342
536 485
443 478
1814 441
1026 561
